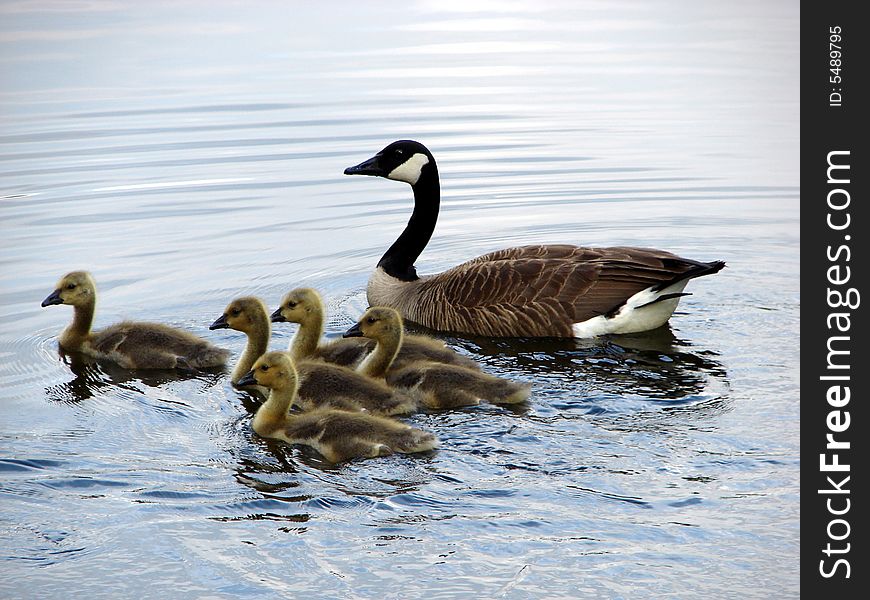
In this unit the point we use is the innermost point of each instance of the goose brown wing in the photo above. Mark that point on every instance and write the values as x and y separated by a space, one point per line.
542 251
522 291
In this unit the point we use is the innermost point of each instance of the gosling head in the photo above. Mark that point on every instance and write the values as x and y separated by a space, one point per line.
298 306
242 314
273 370
377 323
404 160
76 288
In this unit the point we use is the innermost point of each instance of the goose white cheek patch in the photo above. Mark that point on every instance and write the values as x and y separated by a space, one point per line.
410 170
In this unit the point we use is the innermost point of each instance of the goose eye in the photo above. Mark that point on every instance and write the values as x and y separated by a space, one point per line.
235 312
370 320
264 368
71 286
291 304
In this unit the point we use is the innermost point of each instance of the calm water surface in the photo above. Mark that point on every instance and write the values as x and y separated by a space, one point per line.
187 153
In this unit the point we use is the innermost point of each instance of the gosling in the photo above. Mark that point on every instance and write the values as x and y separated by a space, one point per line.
131 344
246 314
320 383
434 385
305 307
336 434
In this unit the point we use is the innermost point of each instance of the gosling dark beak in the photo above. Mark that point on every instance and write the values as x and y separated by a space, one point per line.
369 167
277 317
354 331
247 379
54 298
220 323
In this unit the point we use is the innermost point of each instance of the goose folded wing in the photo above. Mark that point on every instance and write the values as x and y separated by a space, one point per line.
553 284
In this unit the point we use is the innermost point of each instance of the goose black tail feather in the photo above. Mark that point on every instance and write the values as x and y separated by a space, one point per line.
698 270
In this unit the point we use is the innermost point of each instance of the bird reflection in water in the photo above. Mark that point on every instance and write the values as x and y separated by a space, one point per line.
656 365
91 377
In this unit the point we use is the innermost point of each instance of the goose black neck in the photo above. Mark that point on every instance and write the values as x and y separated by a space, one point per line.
399 260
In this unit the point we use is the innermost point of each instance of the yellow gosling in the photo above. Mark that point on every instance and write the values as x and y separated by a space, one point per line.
321 384
131 344
305 307
336 434
434 385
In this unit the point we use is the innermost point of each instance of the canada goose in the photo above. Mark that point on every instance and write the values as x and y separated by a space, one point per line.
320 384
337 434
436 385
527 291
305 307
131 344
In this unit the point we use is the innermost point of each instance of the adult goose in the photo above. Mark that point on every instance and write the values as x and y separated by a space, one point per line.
557 290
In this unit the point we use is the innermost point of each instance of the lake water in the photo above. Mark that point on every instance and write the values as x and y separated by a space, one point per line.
187 153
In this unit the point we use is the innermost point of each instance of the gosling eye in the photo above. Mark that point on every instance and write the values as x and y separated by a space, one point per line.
70 286
236 312
291 304
264 368
370 320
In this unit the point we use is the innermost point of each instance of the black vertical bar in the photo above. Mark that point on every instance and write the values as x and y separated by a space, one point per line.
834 265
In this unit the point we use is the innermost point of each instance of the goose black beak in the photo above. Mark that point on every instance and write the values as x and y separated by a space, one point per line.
277 317
220 323
354 331
247 379
54 298
369 167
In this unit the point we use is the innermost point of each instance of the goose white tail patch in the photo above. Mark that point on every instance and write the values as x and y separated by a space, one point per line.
410 170
641 312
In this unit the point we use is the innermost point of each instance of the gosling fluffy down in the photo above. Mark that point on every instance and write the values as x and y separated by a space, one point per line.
434 385
305 307
248 315
131 344
336 434
320 384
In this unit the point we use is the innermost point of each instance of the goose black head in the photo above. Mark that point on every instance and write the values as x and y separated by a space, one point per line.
404 160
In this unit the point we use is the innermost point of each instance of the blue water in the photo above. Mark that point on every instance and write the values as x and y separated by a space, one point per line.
187 154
